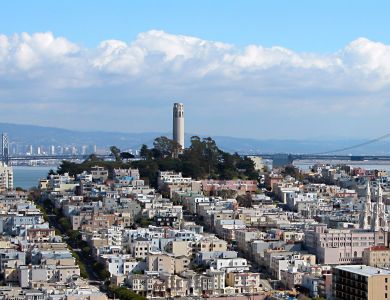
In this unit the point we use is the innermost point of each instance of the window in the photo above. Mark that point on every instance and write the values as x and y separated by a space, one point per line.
386 280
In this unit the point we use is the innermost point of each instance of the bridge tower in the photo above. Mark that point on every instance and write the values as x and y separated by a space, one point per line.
5 148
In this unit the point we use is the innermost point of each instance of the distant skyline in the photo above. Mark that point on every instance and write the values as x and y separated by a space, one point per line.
275 69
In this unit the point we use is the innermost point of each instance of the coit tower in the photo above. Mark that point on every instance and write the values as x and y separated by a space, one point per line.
178 123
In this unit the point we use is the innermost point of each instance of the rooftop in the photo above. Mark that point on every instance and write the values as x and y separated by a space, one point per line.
363 270
378 248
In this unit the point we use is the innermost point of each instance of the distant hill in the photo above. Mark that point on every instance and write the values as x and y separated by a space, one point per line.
46 136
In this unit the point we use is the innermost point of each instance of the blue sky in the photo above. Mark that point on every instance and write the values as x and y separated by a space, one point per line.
261 69
305 25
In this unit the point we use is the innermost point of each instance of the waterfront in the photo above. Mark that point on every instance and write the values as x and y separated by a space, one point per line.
27 177
368 164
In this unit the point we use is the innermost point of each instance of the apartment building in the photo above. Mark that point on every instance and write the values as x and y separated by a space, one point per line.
244 282
360 282
341 246
377 256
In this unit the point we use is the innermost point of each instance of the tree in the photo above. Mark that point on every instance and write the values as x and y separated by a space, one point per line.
202 159
245 200
65 224
226 194
211 153
124 293
166 147
51 172
126 155
69 167
74 236
145 153
293 172
116 153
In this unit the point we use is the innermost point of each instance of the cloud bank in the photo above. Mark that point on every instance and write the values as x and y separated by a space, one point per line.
228 90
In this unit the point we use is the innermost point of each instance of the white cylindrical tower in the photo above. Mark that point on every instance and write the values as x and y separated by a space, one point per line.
178 123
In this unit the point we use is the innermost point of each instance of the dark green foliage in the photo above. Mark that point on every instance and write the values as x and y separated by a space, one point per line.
148 170
80 263
124 293
145 222
126 155
65 224
74 236
51 172
245 200
116 152
226 194
100 270
145 153
202 159
293 172
164 147
76 168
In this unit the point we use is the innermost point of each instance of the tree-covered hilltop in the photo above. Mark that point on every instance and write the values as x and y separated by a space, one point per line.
201 160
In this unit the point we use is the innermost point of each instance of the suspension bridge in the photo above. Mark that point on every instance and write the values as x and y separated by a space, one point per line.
330 155
282 158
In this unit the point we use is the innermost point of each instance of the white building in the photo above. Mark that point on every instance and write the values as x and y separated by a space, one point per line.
6 178
172 178
231 264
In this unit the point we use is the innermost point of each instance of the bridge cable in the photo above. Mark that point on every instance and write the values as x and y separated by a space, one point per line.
354 146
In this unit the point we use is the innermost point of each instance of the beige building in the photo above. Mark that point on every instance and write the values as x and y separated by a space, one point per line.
160 262
164 262
140 248
245 282
6 178
88 221
5 244
377 256
360 282
179 248
176 285
148 286
291 278
99 173
209 244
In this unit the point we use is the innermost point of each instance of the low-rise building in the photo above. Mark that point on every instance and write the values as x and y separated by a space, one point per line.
377 256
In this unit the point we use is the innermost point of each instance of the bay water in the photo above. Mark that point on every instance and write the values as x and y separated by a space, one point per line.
27 177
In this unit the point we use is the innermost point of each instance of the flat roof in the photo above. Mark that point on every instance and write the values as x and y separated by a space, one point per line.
363 270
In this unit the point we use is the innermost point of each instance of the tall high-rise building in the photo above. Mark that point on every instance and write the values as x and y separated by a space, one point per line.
178 123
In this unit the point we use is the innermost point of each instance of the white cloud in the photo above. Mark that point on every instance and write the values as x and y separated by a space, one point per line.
157 66
25 51
156 53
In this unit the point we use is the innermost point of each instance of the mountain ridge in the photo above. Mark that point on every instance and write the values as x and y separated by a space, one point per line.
45 136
